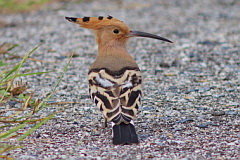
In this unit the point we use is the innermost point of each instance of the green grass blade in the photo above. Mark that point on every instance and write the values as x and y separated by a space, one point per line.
2 64
19 65
12 47
12 130
7 148
55 87
35 73
26 74
64 70
11 71
16 69
5 126
36 127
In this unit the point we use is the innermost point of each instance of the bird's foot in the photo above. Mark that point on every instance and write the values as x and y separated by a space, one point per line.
105 123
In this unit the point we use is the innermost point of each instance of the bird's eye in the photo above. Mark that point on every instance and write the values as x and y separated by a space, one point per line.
116 31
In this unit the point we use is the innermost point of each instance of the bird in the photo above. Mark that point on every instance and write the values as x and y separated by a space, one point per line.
114 78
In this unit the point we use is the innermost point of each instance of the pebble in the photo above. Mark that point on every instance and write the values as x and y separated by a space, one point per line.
176 63
191 90
147 108
202 90
202 108
231 112
207 42
230 89
176 129
185 120
164 65
218 113
219 95
27 157
12 103
233 104
206 125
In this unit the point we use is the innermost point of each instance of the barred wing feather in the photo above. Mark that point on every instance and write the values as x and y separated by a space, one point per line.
117 96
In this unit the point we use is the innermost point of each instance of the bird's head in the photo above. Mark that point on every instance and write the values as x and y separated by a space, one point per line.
109 29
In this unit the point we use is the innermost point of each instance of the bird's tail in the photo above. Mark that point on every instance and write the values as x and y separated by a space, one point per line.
124 134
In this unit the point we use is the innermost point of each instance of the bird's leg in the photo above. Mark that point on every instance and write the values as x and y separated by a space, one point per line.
105 123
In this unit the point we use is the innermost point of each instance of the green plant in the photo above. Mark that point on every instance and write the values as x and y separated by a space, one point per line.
21 118
21 5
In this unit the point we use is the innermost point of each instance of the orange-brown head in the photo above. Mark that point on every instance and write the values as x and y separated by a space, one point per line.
110 30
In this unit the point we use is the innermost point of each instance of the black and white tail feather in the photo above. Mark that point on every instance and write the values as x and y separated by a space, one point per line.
124 134
118 96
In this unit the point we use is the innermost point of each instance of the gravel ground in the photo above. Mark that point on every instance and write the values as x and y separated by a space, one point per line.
191 101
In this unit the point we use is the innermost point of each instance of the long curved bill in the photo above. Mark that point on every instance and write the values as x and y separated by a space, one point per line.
147 35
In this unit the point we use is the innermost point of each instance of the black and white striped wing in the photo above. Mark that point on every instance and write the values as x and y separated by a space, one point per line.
117 96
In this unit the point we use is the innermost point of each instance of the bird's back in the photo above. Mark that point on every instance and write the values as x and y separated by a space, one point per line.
115 87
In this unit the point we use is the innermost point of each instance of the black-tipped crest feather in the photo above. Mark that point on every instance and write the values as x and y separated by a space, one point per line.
71 19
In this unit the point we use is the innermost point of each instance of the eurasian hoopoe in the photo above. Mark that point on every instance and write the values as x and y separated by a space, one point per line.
115 82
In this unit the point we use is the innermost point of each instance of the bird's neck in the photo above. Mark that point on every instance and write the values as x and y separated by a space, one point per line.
108 47
114 57
113 48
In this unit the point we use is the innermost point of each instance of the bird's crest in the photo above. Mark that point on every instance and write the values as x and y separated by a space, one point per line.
96 23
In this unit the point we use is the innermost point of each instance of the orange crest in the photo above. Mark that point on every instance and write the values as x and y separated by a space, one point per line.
97 23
